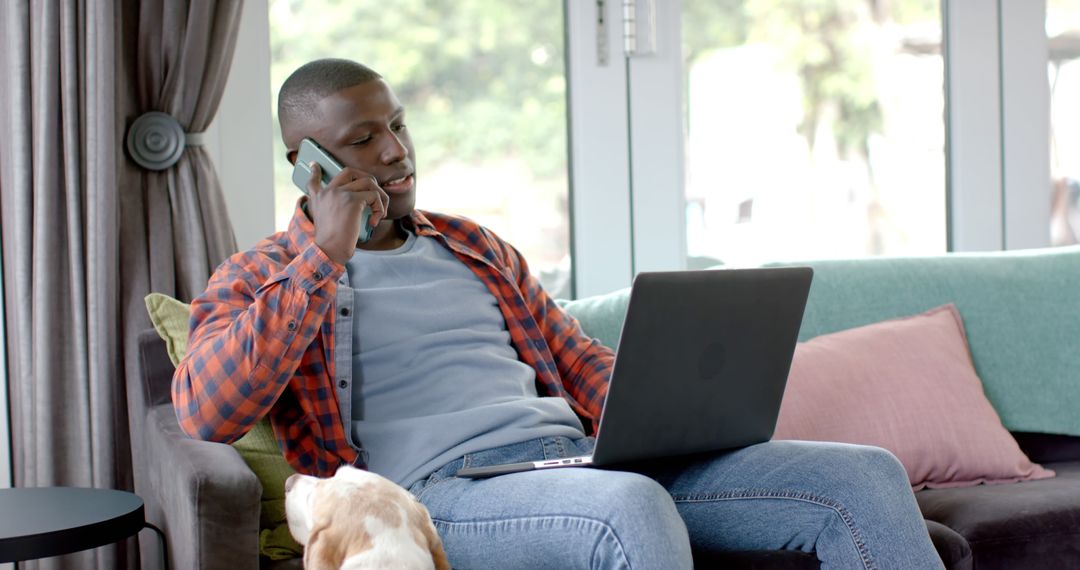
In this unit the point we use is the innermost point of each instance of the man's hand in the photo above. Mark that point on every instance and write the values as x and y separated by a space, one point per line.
337 209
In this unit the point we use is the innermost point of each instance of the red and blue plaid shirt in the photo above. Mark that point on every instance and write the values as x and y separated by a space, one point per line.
262 341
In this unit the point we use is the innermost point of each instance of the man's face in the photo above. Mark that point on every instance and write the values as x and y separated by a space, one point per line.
363 126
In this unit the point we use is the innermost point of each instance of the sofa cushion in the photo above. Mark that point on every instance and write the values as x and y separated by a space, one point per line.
1021 310
170 319
1035 524
906 385
1049 447
955 552
601 316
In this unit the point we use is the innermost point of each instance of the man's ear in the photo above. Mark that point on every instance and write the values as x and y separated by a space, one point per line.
290 155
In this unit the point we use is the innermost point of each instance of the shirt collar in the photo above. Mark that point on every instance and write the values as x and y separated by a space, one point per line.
301 230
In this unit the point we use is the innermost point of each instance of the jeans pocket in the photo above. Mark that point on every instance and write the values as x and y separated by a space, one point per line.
441 474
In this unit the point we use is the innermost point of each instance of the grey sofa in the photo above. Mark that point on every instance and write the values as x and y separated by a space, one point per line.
207 501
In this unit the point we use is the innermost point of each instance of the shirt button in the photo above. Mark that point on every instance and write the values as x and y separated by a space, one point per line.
344 311
343 384
317 276
292 325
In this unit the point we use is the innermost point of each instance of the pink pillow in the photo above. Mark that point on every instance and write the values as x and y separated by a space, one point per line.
907 385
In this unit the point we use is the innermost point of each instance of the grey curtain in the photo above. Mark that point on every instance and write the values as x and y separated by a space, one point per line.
58 172
175 227
87 233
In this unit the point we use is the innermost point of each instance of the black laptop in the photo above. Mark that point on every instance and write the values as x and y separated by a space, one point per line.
702 363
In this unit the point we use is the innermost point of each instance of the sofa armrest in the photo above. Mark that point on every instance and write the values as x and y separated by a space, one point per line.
206 498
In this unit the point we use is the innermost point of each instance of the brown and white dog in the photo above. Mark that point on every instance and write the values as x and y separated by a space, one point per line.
357 520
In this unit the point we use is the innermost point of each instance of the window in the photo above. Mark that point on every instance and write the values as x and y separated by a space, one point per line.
486 108
814 130
1063 47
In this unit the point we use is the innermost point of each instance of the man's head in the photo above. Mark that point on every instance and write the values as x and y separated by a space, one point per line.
351 112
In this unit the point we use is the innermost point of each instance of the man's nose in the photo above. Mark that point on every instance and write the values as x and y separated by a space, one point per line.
395 150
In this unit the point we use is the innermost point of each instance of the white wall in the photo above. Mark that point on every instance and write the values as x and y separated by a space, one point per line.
240 138
5 433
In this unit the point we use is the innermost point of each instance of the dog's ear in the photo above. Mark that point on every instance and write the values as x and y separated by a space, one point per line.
419 518
438 555
323 551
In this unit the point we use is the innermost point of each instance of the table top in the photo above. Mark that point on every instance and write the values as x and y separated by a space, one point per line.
36 522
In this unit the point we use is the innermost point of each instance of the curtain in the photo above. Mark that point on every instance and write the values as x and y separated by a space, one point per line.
86 232
175 228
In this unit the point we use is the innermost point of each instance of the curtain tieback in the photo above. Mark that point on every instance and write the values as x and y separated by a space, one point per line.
156 140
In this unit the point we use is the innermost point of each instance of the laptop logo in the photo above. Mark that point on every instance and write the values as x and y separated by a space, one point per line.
712 361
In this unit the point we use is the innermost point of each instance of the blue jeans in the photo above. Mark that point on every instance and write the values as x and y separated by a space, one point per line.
851 505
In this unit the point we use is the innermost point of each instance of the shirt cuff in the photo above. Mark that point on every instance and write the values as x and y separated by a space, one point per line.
313 268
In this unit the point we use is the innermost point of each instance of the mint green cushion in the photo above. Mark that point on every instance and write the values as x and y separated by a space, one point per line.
601 316
1021 310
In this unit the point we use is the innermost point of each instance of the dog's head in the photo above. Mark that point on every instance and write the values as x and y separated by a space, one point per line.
357 519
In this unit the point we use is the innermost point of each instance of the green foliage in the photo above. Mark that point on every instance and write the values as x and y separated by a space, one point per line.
712 24
478 79
482 79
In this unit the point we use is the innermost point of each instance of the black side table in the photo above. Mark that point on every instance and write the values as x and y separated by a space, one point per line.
37 522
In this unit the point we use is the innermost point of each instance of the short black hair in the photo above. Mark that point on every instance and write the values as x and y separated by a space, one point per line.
314 80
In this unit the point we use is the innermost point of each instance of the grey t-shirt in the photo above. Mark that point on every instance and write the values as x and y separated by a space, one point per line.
434 373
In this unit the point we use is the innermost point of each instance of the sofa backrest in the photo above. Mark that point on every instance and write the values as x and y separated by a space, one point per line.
1021 311
155 368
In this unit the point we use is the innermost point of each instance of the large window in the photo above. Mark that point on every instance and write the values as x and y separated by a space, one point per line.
1063 39
742 131
814 129
485 90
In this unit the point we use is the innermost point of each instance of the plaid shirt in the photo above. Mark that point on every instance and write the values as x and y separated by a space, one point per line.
262 341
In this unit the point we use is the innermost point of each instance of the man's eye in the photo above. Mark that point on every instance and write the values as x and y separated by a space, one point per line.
398 128
359 142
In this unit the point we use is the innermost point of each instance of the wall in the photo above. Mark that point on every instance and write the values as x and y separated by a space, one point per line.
5 433
5 438
239 140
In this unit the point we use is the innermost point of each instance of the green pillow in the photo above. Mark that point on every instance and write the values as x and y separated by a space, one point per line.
170 319
260 451
258 447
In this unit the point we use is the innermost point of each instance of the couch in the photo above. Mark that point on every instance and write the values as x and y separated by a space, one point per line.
1014 304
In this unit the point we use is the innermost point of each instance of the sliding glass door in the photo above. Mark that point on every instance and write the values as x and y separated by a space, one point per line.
1063 47
813 129
638 135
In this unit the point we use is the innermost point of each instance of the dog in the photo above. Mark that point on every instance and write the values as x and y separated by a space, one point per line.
357 520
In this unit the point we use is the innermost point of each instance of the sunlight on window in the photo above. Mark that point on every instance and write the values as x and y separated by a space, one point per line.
1063 46
814 130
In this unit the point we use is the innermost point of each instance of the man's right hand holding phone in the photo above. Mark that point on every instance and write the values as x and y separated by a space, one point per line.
337 210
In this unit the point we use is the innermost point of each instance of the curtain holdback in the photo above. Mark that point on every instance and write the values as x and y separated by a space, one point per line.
156 140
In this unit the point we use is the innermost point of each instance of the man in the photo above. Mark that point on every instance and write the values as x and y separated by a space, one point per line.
430 347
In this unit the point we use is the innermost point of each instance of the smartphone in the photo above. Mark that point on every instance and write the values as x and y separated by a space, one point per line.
309 152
